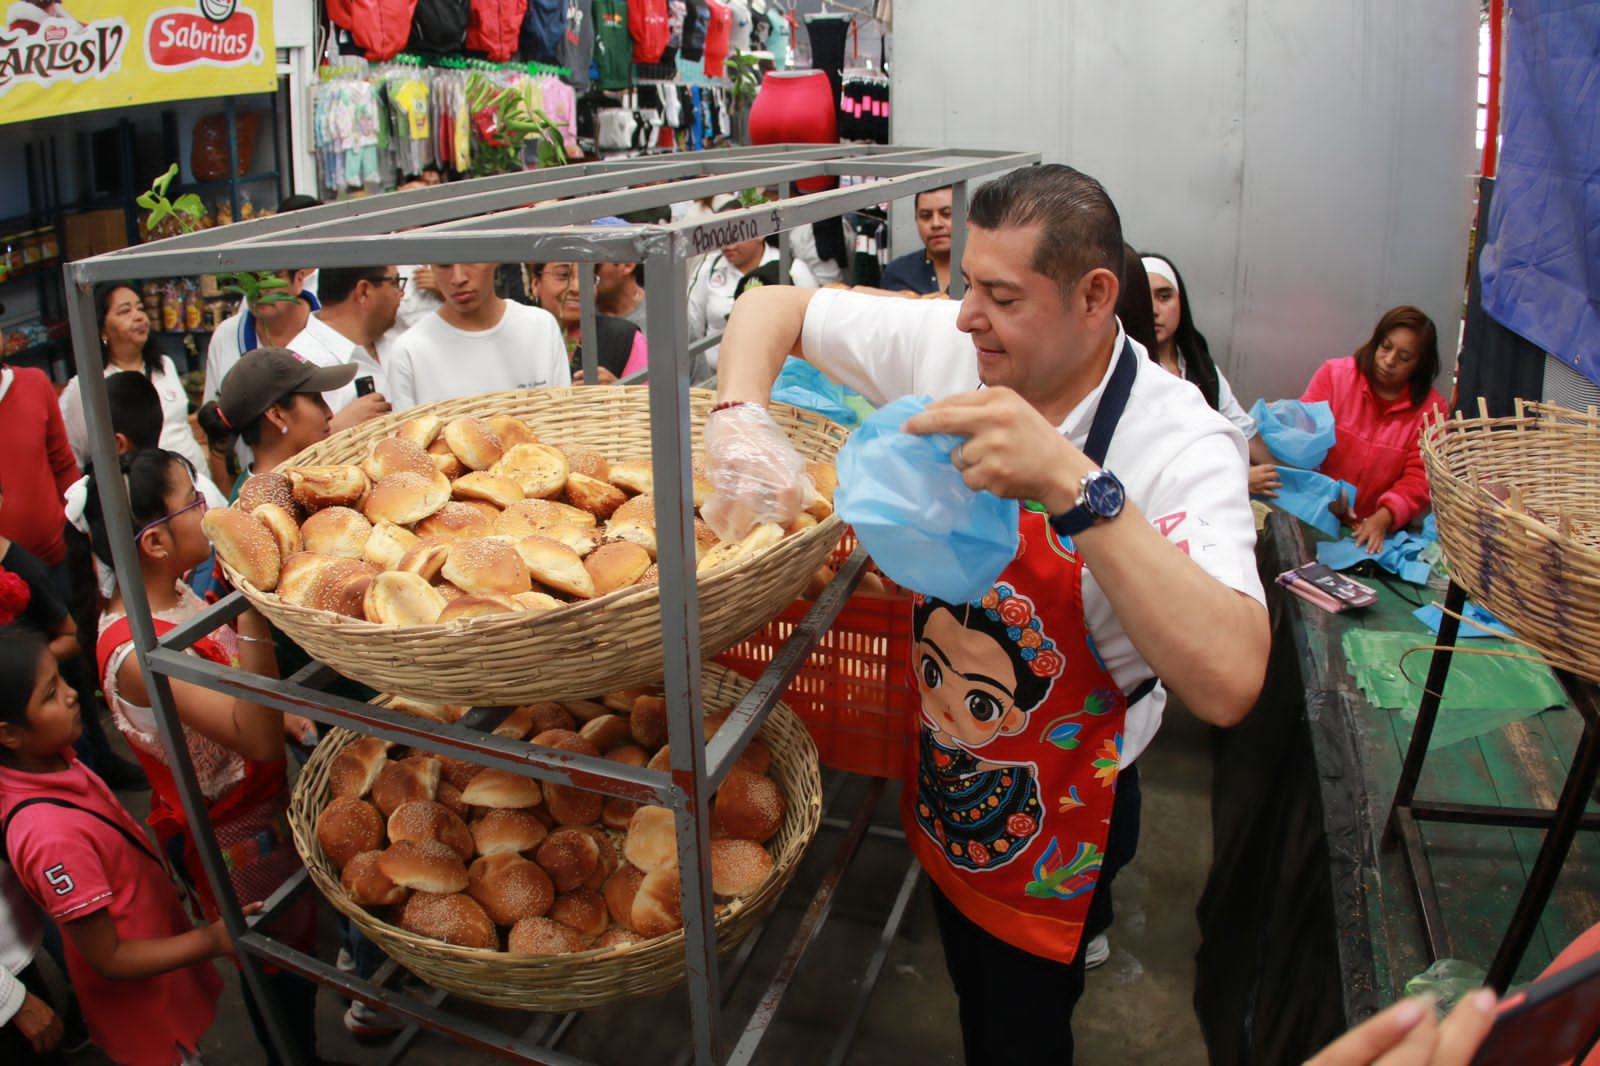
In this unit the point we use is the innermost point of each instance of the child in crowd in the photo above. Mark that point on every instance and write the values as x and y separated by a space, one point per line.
135 960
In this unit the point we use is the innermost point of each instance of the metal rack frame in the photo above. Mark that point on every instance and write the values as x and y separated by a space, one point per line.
492 220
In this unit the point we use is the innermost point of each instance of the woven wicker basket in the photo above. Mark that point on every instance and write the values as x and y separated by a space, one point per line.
613 641
1517 501
590 978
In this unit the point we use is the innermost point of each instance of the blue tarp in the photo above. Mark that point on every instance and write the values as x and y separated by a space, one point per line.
1540 265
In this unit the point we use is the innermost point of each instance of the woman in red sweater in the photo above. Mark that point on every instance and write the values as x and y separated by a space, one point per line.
1380 397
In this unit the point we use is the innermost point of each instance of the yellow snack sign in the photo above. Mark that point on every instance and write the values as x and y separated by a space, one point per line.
59 57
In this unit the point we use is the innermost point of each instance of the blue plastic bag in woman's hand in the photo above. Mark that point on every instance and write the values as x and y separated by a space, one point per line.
921 524
1299 434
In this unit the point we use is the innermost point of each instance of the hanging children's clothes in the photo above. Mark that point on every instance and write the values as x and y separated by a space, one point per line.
613 48
717 34
577 43
493 27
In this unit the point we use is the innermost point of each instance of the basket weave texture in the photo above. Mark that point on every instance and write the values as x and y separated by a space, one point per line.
1517 502
610 642
589 978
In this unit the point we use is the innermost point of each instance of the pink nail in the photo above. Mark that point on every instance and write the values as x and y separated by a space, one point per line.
1483 1000
1411 1012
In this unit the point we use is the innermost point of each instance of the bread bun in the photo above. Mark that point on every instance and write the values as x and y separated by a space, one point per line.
581 910
586 710
465 607
729 553
269 487
486 567
632 475
347 827
338 531
512 431
661 760
297 578
585 461
425 558
565 740
449 796
801 523
425 865
502 789
445 459
620 888
651 576
756 757
482 485
609 857
555 565
739 867
621 700
628 755
616 566
648 722
540 469
473 442
605 732
367 884
652 840
635 522
456 919
282 525
515 726
825 478
398 598
437 712
542 936
599 498
547 716
510 888
573 806
658 905
420 430
749 806
570 856
316 487
245 544
618 939
456 771
429 820
397 455
401 782
407 497
357 766
535 602
507 831
341 587
456 520
618 812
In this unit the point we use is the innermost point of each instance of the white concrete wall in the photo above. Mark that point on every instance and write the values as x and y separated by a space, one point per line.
1306 165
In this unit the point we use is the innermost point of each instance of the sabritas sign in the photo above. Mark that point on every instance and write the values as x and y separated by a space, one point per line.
58 59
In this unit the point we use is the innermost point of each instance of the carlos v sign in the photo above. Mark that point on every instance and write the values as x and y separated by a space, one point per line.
58 59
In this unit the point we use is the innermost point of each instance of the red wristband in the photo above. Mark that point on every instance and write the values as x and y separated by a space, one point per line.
725 404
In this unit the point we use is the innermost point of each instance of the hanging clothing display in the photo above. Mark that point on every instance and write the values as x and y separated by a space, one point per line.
717 33
864 108
613 47
577 43
796 107
439 27
544 27
827 34
696 20
649 23
494 26
739 30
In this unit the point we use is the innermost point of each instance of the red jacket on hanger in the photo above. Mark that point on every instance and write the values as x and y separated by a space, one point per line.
717 38
380 27
493 27
650 26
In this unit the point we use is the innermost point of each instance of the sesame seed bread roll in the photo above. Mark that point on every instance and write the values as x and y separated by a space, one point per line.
456 520
599 498
632 475
338 531
581 910
283 527
658 905
506 830
619 891
367 884
426 558
570 856
652 840
316 487
424 865
748 806
269 487
245 544
455 918
543 936
509 888
502 789
473 442
421 430
555 565
401 782
585 461
540 469
430 820
463 608
487 567
357 766
407 497
347 827
616 566
482 485
398 598
388 545
738 867
397 455
512 431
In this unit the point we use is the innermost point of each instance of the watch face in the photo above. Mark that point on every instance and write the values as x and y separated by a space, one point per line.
1103 495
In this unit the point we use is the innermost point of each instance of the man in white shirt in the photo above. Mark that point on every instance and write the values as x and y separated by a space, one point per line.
358 306
478 341
1137 564
715 284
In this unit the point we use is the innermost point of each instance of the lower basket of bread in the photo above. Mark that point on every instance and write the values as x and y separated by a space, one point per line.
540 896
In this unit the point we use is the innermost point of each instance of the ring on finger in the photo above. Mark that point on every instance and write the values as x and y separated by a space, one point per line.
959 456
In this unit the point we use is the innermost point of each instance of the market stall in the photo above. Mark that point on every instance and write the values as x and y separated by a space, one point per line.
488 220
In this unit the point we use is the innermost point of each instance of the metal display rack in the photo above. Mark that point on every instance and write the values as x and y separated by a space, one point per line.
496 219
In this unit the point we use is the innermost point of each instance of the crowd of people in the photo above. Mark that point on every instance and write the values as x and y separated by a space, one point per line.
1064 361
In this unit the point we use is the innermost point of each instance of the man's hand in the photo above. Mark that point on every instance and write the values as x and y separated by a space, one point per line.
1408 1034
1371 530
1010 450
756 474
359 410
422 278
41 1025
1264 480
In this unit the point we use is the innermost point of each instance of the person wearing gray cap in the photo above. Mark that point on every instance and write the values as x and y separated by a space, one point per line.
272 401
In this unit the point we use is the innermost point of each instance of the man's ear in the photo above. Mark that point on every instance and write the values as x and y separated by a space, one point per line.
124 445
1096 294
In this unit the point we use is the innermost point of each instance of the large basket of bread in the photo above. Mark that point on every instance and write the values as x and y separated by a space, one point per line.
540 896
1517 503
499 549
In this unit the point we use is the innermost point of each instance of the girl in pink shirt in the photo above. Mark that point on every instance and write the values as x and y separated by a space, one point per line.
137 963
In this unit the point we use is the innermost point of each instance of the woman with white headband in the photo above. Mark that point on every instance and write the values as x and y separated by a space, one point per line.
1182 350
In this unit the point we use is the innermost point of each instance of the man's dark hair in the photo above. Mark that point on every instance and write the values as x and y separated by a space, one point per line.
335 284
135 409
1079 226
916 201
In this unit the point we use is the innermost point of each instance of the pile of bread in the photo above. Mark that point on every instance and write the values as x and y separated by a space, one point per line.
460 519
483 858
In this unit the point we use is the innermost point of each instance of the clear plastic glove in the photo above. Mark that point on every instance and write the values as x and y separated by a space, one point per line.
756 474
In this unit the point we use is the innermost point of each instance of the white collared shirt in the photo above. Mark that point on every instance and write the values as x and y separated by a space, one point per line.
326 346
1184 465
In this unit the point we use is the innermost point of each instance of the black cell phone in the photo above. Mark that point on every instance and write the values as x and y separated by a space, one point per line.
365 385
1551 1021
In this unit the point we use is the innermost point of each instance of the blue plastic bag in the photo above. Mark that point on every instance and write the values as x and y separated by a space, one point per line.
803 385
921 524
1400 555
1479 621
1299 434
1307 495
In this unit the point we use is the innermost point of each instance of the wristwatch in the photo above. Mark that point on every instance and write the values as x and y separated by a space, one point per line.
1100 499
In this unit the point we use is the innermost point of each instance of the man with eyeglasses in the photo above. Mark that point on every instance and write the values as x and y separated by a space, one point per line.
358 307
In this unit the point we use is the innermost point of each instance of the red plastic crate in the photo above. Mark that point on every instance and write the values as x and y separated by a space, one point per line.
854 690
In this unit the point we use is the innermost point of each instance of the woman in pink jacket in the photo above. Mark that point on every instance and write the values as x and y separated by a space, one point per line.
1380 397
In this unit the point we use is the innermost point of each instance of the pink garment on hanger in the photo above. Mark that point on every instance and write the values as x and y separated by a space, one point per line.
717 34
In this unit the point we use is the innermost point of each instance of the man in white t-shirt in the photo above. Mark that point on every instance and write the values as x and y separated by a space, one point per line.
1135 562
358 306
478 341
